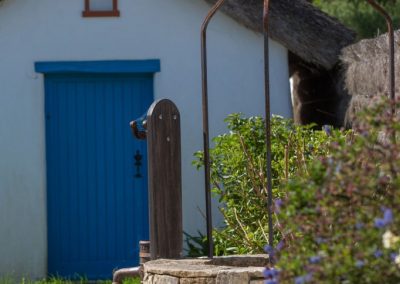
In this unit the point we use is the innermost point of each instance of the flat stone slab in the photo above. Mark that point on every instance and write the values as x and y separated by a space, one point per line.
241 260
220 270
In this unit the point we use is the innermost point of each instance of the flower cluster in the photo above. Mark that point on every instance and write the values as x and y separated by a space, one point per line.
271 275
386 220
303 279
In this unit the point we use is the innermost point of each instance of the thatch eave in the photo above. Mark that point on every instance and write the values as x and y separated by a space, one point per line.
303 29
365 74
369 49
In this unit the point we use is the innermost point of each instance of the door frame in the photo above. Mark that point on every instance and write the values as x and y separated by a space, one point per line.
105 67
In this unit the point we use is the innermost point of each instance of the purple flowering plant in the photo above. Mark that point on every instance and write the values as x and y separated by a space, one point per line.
341 219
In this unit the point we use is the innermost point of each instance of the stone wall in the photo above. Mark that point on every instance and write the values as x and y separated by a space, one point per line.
221 270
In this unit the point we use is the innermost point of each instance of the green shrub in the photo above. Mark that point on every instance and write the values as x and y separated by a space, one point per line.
360 16
238 175
340 220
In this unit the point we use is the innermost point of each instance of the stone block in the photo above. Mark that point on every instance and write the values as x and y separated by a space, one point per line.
232 276
197 281
182 268
220 270
241 260
255 272
148 278
259 281
164 279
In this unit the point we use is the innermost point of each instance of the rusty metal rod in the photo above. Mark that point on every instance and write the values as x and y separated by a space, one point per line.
206 133
121 274
392 78
268 122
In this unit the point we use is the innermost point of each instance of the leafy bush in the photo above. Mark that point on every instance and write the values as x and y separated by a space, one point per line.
237 173
340 220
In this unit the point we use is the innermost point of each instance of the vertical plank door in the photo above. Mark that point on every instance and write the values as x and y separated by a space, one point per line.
96 200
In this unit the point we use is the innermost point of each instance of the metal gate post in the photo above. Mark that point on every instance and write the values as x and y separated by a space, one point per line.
268 122
389 23
206 133
206 138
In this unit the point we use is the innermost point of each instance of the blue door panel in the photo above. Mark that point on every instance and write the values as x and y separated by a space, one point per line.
97 209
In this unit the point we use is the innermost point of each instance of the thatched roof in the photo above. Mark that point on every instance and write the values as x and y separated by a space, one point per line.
366 69
303 29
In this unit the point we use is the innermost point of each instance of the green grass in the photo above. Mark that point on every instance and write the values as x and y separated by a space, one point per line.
54 280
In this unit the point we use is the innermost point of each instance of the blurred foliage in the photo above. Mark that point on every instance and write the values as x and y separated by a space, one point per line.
360 16
340 222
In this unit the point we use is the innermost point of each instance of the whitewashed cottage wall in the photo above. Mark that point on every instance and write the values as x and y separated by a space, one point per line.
53 30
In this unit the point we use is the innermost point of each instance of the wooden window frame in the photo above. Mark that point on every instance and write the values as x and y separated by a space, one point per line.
92 13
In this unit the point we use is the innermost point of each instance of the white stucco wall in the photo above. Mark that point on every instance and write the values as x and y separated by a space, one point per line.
46 30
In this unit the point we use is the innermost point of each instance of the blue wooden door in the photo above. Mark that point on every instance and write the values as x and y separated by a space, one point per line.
97 202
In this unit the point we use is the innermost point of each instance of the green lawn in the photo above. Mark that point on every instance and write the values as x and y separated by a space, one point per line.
9 280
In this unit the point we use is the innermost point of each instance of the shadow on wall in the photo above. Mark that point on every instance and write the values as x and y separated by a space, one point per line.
316 94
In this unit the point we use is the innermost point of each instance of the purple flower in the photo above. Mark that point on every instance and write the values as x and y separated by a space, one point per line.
320 240
387 215
303 279
270 273
314 259
278 204
269 249
327 129
359 226
379 223
393 256
378 253
299 280
280 245
387 218
359 263
338 168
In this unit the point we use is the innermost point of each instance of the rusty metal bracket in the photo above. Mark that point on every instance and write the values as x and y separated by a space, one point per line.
392 78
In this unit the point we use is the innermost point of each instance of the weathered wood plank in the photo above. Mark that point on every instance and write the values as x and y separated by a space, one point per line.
165 185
